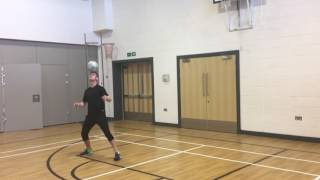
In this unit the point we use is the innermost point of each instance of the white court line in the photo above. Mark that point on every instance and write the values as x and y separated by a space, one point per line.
142 163
40 150
230 149
258 165
49 144
46 149
317 178
154 137
42 145
158 147
196 144
197 154
202 145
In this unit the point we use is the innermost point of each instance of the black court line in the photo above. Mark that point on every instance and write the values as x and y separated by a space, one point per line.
73 171
274 147
75 168
49 161
54 153
121 166
258 161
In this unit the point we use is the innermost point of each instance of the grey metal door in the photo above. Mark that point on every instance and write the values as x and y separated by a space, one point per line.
78 81
55 82
22 97
2 118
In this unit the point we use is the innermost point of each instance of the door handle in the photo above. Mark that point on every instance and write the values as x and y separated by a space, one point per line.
203 85
207 84
3 75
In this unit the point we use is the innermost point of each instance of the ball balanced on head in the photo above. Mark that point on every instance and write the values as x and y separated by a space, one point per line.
93 66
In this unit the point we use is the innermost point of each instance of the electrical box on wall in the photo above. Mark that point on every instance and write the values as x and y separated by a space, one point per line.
165 78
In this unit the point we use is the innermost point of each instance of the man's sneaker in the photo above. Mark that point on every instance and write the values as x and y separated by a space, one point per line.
117 156
86 152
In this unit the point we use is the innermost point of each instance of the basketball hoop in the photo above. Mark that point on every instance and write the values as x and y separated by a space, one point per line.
239 14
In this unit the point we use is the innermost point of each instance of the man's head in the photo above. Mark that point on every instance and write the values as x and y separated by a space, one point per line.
93 77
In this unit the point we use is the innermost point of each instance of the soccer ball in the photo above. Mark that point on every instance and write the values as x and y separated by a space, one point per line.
93 66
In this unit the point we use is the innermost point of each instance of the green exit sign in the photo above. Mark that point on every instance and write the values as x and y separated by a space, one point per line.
130 54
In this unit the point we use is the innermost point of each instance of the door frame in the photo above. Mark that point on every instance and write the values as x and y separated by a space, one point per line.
223 53
118 85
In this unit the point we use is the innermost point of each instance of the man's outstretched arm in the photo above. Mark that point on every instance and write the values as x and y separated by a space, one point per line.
79 104
106 98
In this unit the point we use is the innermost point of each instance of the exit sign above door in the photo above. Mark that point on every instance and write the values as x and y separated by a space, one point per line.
131 54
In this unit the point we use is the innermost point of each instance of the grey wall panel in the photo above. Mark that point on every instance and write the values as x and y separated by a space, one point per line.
1 105
78 80
92 53
55 95
1 54
52 54
58 59
22 82
17 52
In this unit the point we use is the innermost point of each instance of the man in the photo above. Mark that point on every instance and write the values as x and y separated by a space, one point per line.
96 96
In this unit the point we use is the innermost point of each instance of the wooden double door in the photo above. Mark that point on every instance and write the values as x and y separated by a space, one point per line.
137 91
208 91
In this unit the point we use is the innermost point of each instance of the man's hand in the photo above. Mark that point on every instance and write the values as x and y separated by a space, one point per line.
106 98
78 104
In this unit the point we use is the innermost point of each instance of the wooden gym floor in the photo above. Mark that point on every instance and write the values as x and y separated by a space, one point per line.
154 152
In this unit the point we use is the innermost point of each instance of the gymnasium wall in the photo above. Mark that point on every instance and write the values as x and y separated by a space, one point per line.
63 21
279 73
280 69
63 78
163 30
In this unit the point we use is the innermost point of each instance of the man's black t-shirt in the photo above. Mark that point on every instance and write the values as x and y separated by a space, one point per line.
92 96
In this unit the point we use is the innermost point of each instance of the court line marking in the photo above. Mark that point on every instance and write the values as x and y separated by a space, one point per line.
252 164
119 165
46 149
142 163
195 154
164 139
201 145
245 166
147 145
217 139
42 145
49 144
36 138
230 149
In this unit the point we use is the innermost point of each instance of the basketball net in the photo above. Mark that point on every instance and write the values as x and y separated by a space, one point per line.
108 51
239 14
